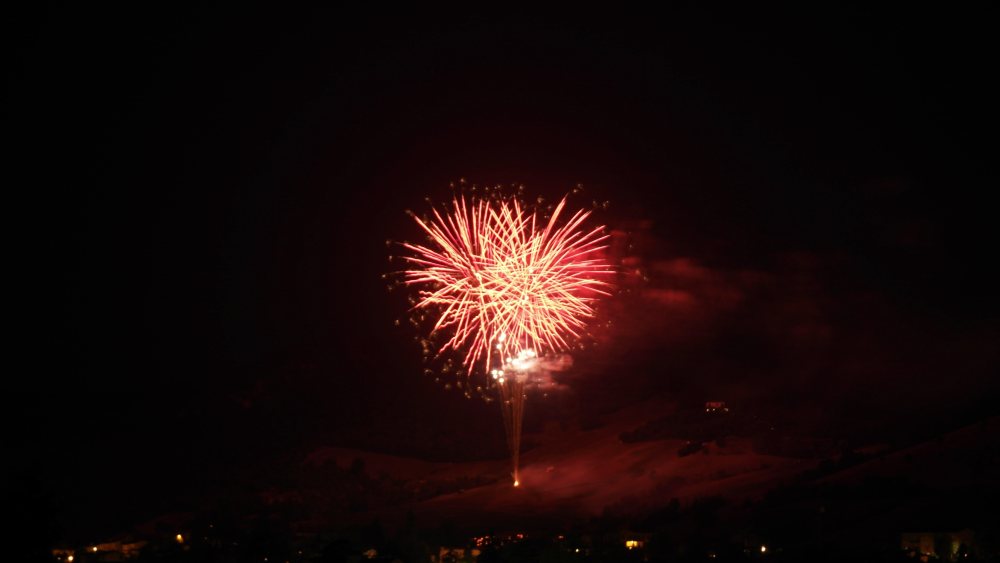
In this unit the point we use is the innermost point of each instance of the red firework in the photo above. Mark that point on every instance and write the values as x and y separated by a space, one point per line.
507 288
506 283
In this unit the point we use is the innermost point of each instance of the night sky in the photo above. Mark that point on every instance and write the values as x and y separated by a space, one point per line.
209 195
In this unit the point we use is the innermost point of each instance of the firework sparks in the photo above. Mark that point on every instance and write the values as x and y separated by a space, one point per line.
505 284
507 288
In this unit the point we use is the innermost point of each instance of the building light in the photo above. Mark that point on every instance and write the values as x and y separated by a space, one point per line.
763 549
69 558
180 538
631 544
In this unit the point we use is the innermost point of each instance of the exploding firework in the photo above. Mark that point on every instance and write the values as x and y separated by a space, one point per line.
508 288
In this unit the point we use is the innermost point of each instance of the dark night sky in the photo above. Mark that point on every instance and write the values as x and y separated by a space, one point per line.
210 192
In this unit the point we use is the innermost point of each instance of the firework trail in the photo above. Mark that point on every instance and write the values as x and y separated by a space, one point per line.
507 288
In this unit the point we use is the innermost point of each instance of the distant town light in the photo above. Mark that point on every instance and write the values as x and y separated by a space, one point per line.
631 544
763 549
69 558
180 538
94 549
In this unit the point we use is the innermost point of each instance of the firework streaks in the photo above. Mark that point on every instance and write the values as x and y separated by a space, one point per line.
504 282
507 288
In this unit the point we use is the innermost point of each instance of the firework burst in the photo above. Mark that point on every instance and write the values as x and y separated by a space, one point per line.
504 283
506 287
